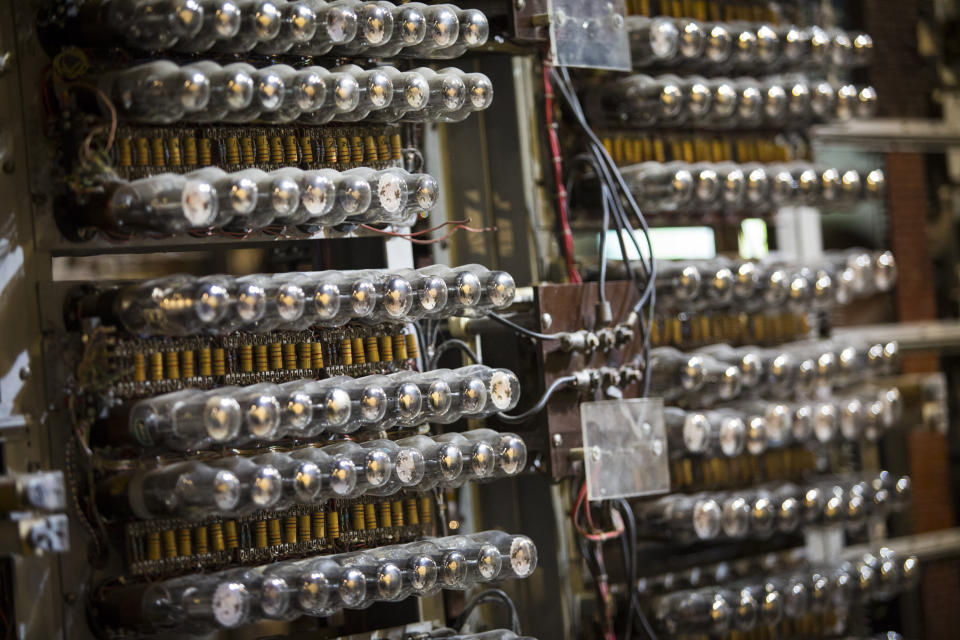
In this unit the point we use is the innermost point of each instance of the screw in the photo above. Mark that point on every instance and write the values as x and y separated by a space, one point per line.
25 373
595 453
557 440
546 321
520 5
6 62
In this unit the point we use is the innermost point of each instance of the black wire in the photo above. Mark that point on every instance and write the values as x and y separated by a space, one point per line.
541 403
452 343
528 332
489 595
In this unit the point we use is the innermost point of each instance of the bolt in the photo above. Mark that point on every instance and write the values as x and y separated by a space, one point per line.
557 440
546 321
595 453
520 4
6 62
25 373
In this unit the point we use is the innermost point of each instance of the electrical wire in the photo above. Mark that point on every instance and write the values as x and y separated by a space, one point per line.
496 317
541 403
453 343
487 596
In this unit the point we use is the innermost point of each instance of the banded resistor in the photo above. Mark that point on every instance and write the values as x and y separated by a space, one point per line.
230 534
263 149
357 517
318 522
316 349
370 515
186 364
410 508
172 365
346 352
333 526
219 362
156 366
190 151
216 536
274 532
304 355
260 358
169 538
386 348
372 349
396 510
200 540
276 357
153 545
260 533
358 355
289 356
399 347
413 351
303 527
139 367
184 542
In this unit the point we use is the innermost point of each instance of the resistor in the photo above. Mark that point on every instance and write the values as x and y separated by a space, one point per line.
372 349
219 362
230 534
343 149
186 364
247 152
318 524
169 537
412 351
396 144
356 517
303 527
206 364
216 536
260 357
139 368
356 149
172 365
383 147
260 533
263 149
276 151
333 528
396 510
153 545
156 366
426 515
190 151
303 350
173 149
276 356
125 152
289 356
329 150
316 352
184 542
233 151
386 518
290 529
370 149
386 348
274 532
206 152
358 356
306 150
200 540
410 508
346 352
399 347
143 151
370 515
246 358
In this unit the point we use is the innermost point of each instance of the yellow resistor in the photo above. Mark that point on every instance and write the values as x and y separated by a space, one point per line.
373 349
260 357
153 545
318 524
190 151
216 536
289 356
156 366
184 542
303 527
200 540
246 358
304 355
290 529
333 529
126 152
276 150
143 151
410 508
276 356
399 347
358 355
233 151
306 149
383 147
173 148
426 516
172 364
230 534
356 149
370 515
386 518
274 532
346 352
246 150
219 362
139 367
169 537
356 517
186 364
260 533
370 148
386 348
396 510
396 145
316 352
329 149
206 365
412 351
263 148
206 152
343 149
290 149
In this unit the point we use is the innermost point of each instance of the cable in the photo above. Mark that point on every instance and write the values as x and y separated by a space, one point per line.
496 317
541 403
451 343
486 596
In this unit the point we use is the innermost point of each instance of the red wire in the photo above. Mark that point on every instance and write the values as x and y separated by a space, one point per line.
567 234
